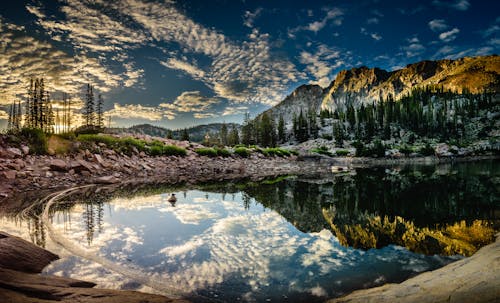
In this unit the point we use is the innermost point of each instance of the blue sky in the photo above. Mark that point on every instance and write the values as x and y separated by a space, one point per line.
183 63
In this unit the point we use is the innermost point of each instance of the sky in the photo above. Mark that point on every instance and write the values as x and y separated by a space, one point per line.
182 63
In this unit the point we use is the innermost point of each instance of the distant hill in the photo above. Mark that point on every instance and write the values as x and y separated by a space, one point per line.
196 133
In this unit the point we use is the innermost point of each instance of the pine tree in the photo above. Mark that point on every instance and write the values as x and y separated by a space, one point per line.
246 130
99 111
89 107
185 135
223 134
170 134
281 129
267 131
234 137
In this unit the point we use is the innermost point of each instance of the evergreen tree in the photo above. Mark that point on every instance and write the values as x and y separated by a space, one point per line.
246 130
234 137
170 134
223 134
281 130
89 113
99 112
185 135
38 107
267 131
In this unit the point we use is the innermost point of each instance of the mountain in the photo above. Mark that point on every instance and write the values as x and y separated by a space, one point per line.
305 97
366 85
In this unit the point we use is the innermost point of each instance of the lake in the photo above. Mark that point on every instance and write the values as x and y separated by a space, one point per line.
290 239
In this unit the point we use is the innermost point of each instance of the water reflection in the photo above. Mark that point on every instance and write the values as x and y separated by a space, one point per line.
289 239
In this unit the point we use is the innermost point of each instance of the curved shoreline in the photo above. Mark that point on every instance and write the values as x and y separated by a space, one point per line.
474 279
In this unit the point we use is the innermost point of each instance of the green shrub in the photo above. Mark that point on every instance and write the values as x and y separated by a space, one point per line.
156 150
427 150
360 148
327 137
36 139
405 150
242 152
378 149
322 150
206 151
173 150
342 152
276 151
223 152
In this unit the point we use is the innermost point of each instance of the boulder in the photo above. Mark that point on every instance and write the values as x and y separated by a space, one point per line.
12 152
58 165
18 254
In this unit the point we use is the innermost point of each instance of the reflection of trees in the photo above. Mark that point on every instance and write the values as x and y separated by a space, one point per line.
442 209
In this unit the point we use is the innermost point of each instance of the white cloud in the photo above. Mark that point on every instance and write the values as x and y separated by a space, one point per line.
413 49
4 115
449 35
461 5
320 64
249 17
334 14
491 30
190 69
234 110
138 111
373 20
376 36
192 102
23 57
437 25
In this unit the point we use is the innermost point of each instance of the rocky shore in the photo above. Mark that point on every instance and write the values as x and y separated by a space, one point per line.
475 279
22 172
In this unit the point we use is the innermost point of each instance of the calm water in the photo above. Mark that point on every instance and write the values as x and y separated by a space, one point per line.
263 241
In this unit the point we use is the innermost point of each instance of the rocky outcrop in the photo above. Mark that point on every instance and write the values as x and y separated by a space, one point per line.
305 98
20 263
475 279
366 85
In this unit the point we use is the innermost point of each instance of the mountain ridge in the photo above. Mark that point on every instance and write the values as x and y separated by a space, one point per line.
366 85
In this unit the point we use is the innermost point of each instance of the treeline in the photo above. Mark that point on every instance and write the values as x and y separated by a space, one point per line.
428 112
263 131
40 114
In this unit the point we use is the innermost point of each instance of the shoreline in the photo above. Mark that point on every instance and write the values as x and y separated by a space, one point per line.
473 279
21 172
